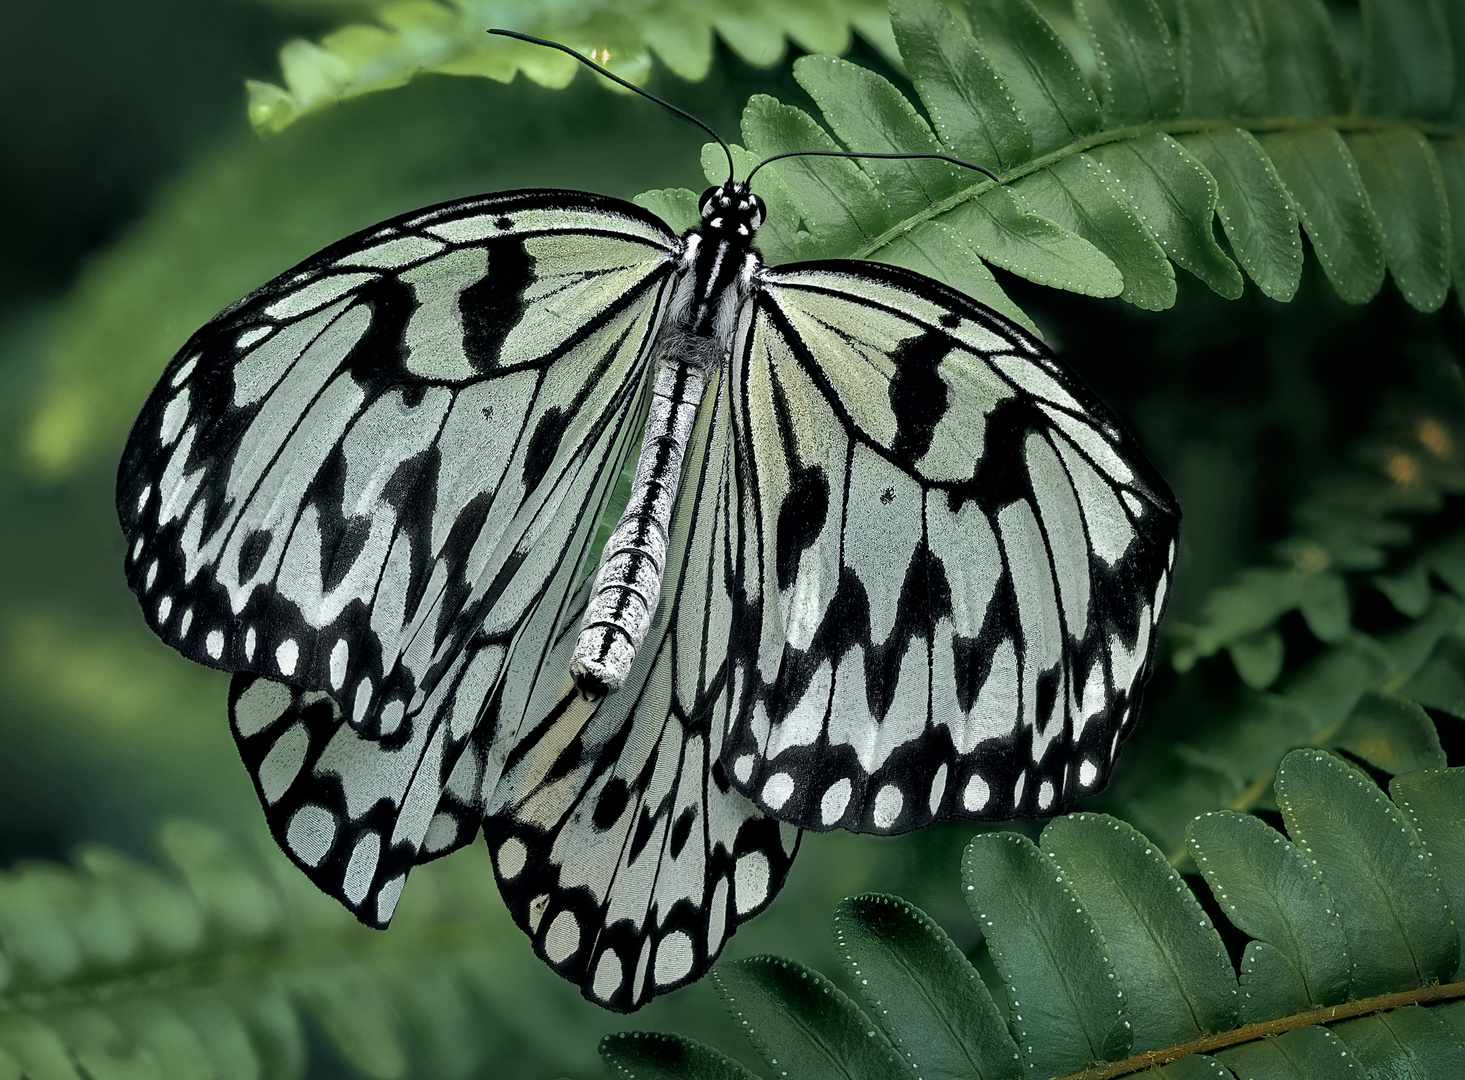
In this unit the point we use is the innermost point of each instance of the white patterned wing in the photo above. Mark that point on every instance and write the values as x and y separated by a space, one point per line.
348 474
962 561
621 847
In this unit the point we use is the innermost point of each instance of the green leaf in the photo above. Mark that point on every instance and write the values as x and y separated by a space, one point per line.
802 1025
1305 73
1258 657
1325 607
925 995
1397 918
1255 211
1176 199
1408 69
1076 194
1167 954
1136 59
1391 734
1403 1042
675 206
934 249
840 204
1038 69
1269 889
976 116
1323 180
1195 1067
37 1048
1407 192
449 38
1451 155
1409 592
1220 59
1066 1005
1308 1053
1440 681
1434 803
868 113
646 1055
1007 234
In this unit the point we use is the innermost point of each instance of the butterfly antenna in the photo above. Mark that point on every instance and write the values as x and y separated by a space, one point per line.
622 82
853 154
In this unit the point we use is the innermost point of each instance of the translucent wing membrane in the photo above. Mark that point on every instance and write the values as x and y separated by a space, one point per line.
347 475
620 845
963 560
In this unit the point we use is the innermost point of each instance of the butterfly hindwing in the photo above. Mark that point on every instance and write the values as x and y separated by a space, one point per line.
620 846
346 475
962 562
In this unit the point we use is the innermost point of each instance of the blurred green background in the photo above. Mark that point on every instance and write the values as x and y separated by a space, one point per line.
139 203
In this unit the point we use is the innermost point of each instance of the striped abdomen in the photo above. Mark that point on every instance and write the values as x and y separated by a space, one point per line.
627 586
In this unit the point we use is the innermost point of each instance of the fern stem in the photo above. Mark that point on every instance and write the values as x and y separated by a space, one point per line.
1177 126
1265 1029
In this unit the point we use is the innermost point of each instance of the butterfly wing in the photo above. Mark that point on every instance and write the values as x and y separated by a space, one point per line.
620 845
347 475
951 607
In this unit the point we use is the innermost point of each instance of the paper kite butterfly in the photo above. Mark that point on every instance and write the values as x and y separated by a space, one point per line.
884 561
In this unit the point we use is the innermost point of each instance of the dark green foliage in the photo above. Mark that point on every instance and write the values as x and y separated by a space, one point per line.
1104 952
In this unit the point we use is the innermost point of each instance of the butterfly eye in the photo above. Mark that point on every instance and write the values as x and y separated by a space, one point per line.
705 205
760 211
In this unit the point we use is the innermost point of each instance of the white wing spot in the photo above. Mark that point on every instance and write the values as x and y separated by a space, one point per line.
249 644
286 655
363 699
186 370
938 789
362 867
512 856
1045 795
1017 789
536 911
153 573
831 807
173 417
282 764
214 643
562 939
750 881
142 496
776 791
386 900
1088 772
1135 503
340 652
137 550
442 830
392 715
250 336
673 957
888 803
977 794
186 623
311 832
742 768
608 975
165 608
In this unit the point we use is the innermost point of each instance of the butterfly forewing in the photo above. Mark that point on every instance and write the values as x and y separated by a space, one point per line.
346 475
621 848
962 561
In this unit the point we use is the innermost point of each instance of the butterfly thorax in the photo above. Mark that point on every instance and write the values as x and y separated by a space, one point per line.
714 278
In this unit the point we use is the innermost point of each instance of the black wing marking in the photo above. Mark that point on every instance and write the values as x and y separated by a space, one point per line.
344 476
620 846
961 564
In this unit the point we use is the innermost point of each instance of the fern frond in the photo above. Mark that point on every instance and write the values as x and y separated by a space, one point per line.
1110 965
116 971
1377 536
1249 115
412 37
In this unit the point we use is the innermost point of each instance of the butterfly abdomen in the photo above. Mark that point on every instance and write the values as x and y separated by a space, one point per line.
628 584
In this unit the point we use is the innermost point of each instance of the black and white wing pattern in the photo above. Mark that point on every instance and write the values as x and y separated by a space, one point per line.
390 450
620 844
963 558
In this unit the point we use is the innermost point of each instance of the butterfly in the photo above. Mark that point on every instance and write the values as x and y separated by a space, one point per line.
884 561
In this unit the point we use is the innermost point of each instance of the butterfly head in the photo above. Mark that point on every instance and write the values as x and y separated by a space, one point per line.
731 210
